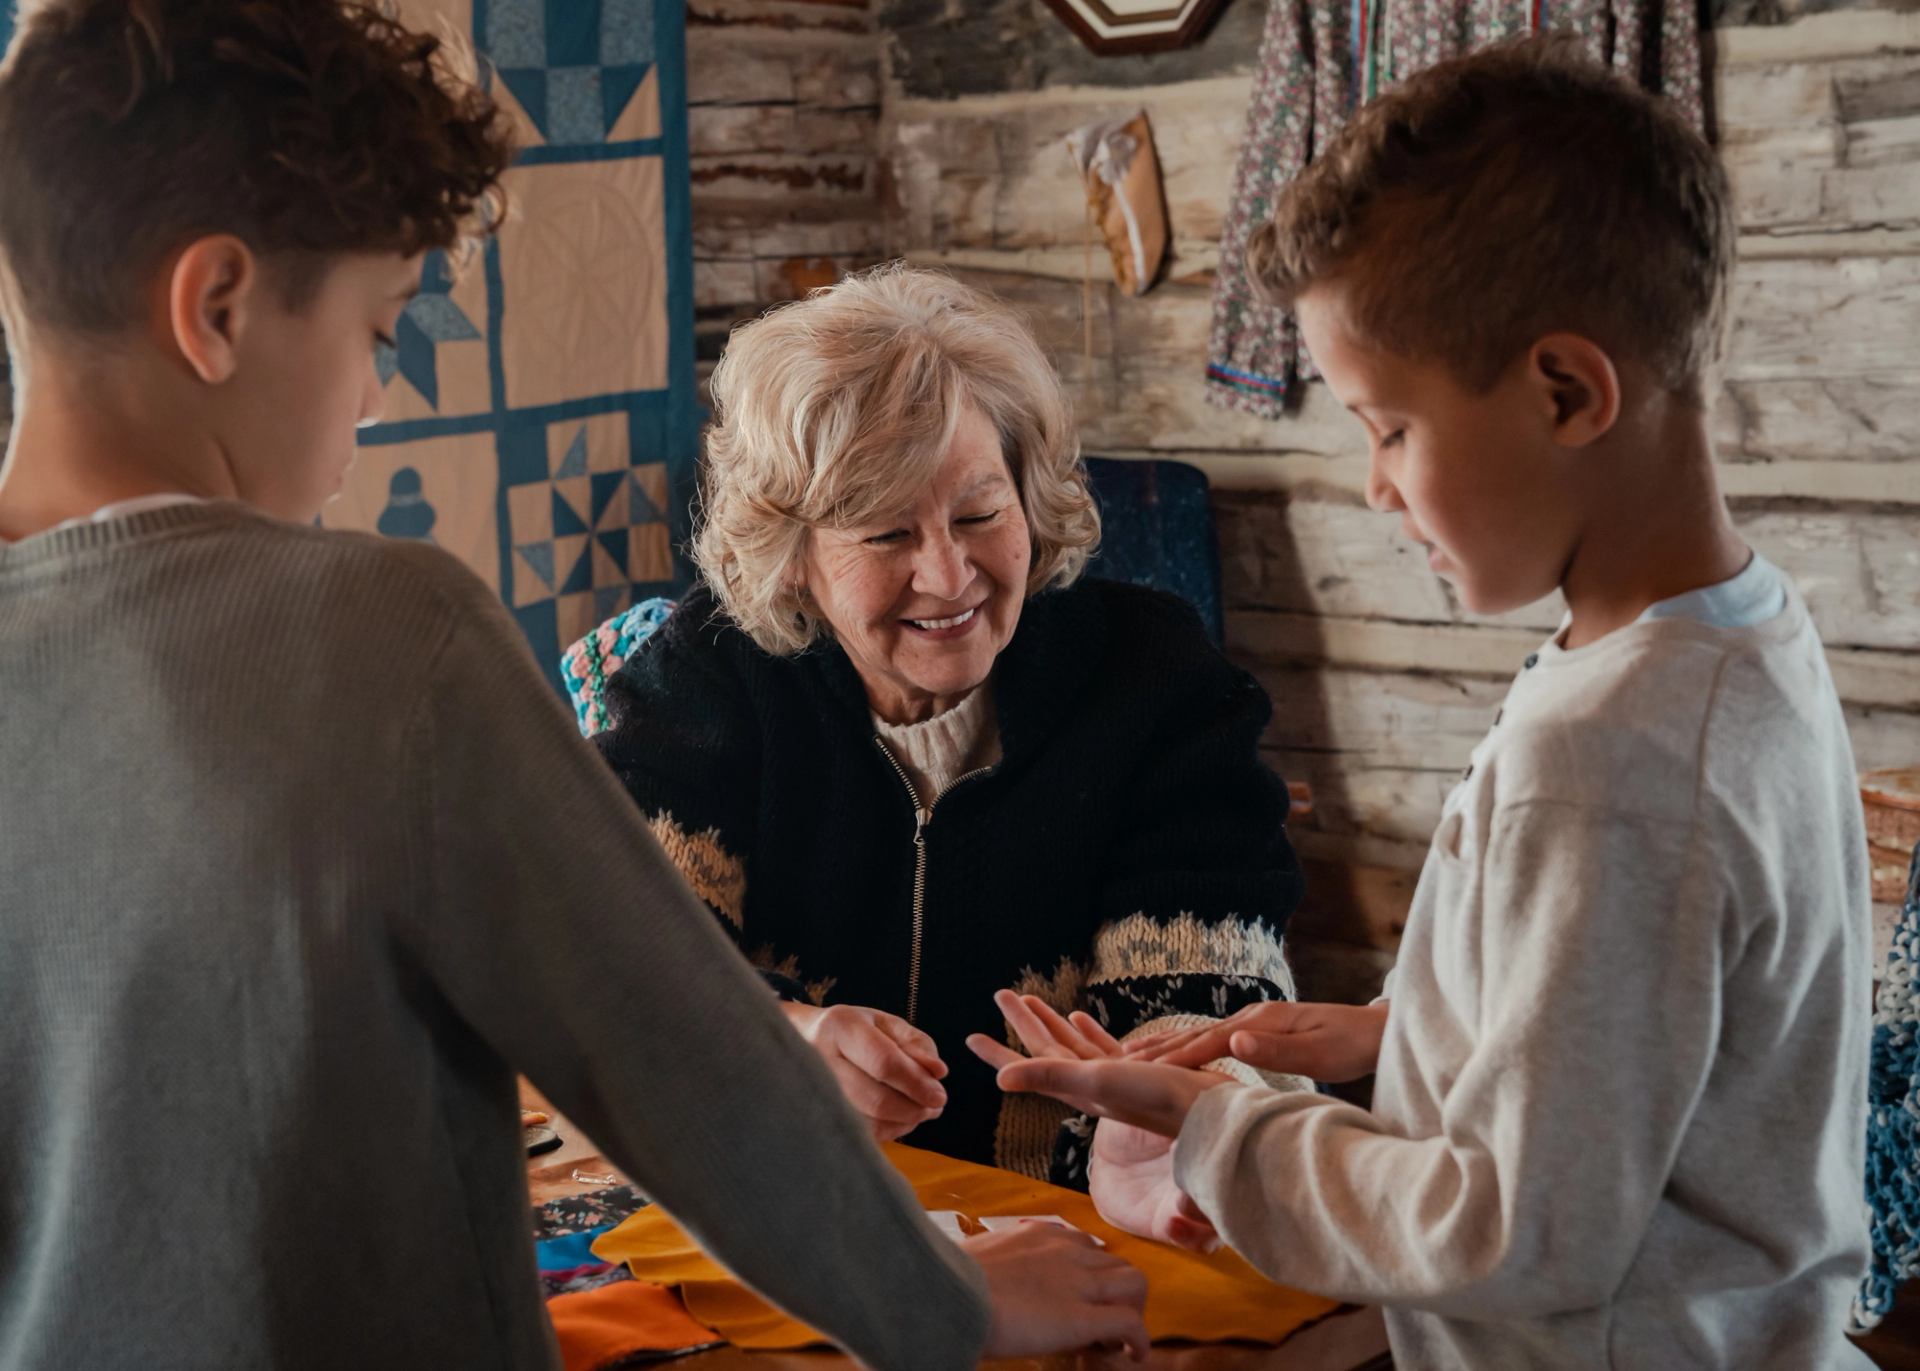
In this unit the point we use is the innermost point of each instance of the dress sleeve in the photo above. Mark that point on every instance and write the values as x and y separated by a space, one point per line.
1253 352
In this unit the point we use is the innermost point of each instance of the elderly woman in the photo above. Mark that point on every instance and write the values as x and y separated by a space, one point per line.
910 756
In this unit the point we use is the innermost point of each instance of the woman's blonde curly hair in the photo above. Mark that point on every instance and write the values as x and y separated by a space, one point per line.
835 411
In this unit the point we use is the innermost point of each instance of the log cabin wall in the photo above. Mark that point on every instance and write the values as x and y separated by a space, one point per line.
829 134
783 128
1381 683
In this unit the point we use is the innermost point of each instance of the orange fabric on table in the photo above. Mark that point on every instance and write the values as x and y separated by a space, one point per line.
598 1327
1203 1299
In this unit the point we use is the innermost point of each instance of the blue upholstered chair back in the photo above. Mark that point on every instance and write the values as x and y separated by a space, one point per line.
1157 530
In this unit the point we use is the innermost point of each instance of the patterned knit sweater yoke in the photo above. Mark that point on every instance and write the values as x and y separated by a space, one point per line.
1106 835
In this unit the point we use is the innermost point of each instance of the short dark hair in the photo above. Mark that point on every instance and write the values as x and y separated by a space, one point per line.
307 128
1497 197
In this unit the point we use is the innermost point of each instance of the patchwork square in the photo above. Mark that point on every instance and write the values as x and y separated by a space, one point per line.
530 425
585 307
438 364
437 490
594 525
573 69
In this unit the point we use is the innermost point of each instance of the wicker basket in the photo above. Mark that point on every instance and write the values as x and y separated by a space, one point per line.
1892 800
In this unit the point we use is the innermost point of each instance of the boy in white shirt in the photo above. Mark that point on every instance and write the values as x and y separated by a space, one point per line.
1621 1066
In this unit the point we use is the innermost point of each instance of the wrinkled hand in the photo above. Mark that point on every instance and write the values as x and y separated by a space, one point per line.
1054 1289
889 1070
1131 1171
1323 1042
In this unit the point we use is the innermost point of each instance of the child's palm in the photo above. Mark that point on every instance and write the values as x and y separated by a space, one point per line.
1131 1180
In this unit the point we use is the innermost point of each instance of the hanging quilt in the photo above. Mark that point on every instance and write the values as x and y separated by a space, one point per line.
541 416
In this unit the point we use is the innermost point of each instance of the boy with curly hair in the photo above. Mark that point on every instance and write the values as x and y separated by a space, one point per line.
1621 1063
299 851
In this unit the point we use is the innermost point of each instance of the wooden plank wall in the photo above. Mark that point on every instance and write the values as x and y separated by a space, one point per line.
784 134
1381 683
829 134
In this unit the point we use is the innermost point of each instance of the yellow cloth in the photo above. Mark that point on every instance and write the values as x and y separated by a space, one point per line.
1202 1299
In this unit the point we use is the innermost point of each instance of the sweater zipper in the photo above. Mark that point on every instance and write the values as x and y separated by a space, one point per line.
922 816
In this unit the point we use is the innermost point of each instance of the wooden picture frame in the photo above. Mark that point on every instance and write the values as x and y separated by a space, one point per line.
1114 28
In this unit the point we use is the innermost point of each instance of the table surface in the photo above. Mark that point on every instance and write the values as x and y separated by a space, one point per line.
1349 1340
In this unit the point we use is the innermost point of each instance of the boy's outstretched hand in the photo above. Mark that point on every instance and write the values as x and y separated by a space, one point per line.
1141 1106
1323 1042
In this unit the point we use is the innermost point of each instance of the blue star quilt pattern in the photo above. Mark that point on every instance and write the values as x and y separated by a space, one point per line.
541 415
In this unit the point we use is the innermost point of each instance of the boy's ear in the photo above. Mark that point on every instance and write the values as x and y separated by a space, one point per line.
1578 387
211 294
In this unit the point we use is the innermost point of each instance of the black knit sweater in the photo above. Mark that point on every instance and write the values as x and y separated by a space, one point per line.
1127 855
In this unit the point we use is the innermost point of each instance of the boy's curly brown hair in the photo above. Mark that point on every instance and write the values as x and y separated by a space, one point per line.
1498 197
307 128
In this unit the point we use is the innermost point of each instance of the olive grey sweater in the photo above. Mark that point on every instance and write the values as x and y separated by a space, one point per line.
300 858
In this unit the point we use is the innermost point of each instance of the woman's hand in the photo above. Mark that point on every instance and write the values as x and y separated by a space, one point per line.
1053 1290
1323 1042
889 1070
1130 1174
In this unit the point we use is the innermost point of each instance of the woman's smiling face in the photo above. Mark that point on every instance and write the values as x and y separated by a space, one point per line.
924 602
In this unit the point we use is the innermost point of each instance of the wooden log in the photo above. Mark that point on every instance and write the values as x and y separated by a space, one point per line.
1868 678
1337 971
800 18
1413 720
844 229
729 67
1358 849
1775 95
720 130
1366 795
1883 142
1868 240
1356 798
1874 417
767 183
723 71
1745 482
1799 318
1858 570
718 284
1353 903
1883 89
1844 34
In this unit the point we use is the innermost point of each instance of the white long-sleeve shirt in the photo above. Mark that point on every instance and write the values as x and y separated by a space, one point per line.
1618 1115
